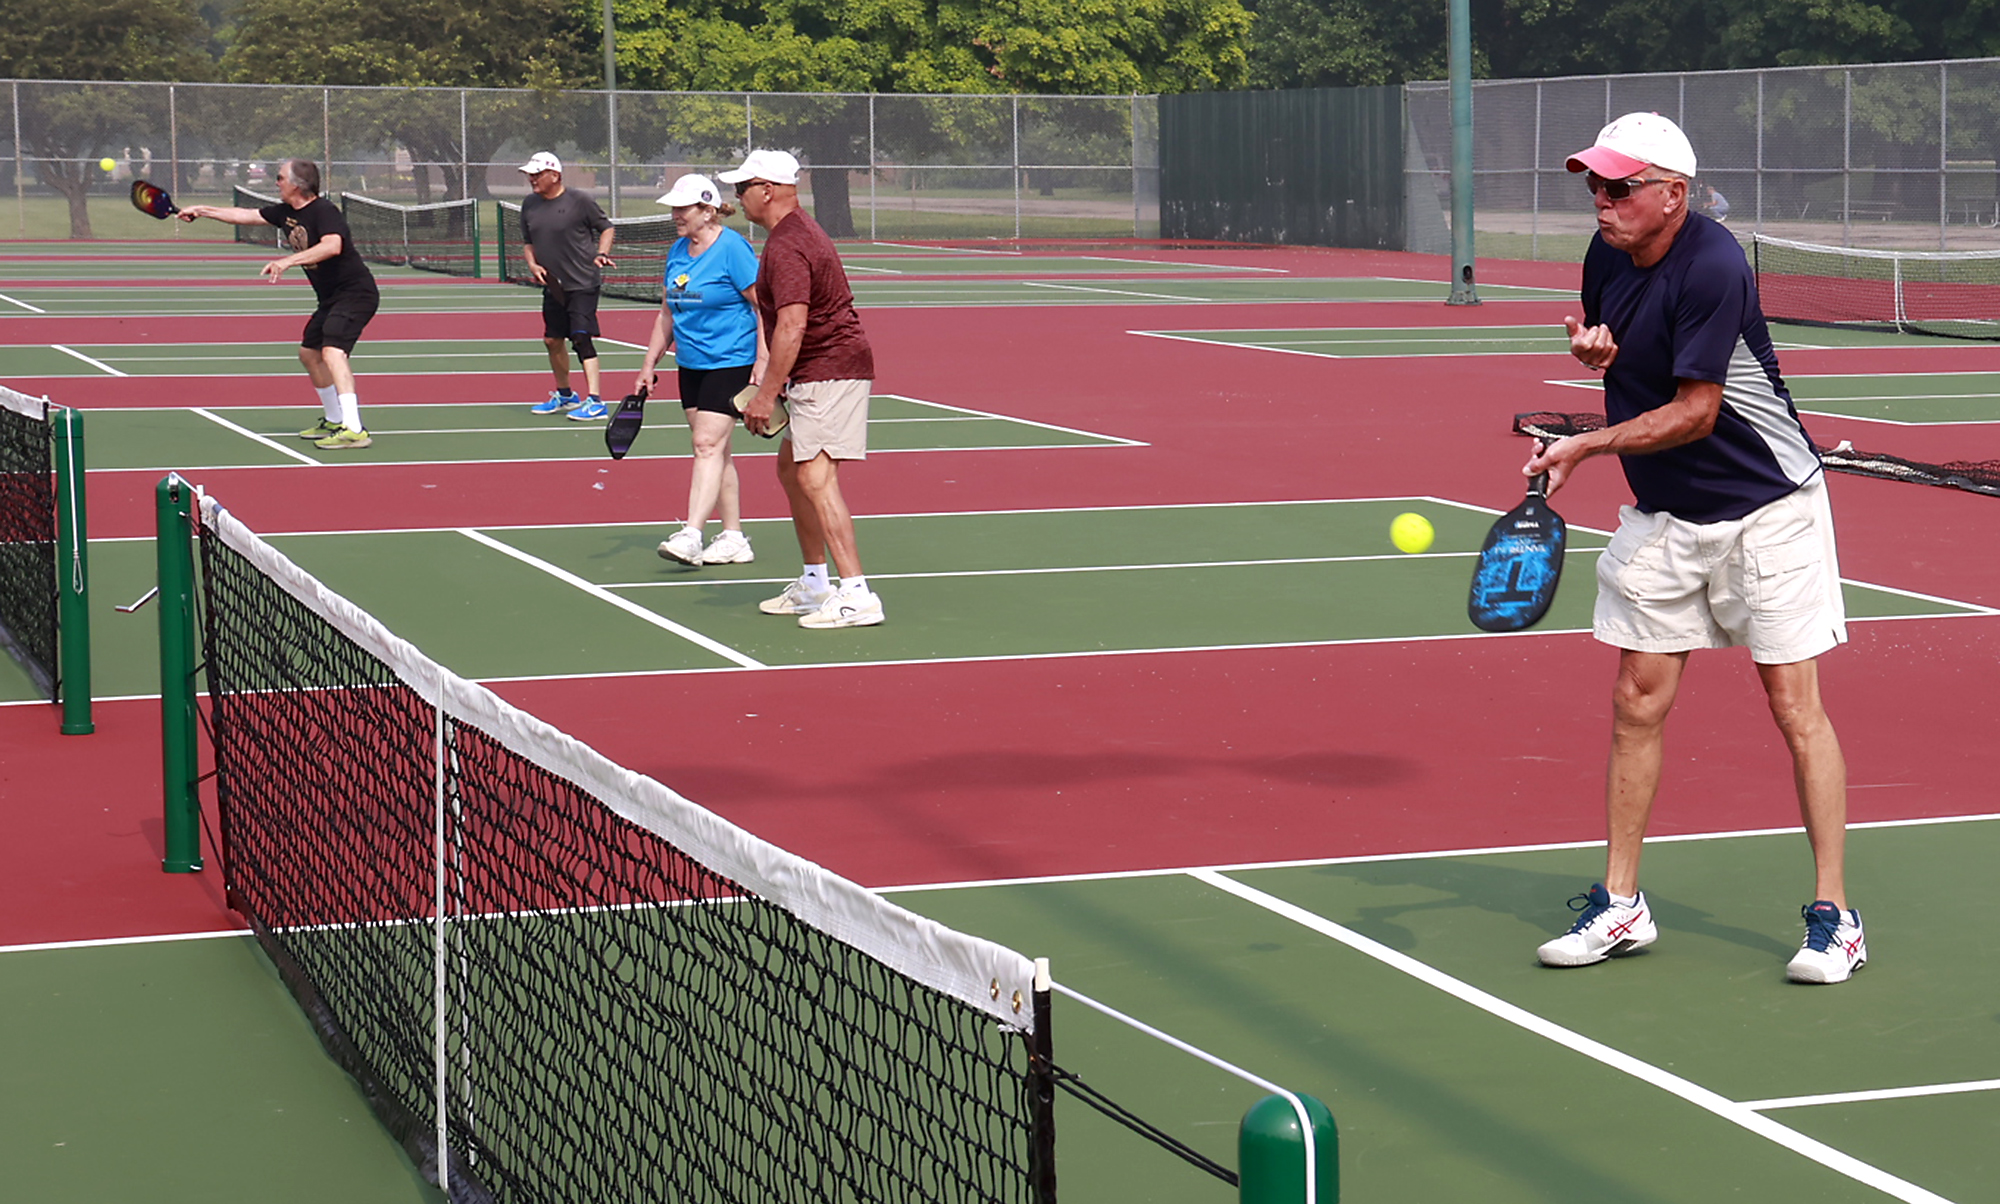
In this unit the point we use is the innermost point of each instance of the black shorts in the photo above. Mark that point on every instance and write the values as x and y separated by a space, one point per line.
338 320
713 389
569 313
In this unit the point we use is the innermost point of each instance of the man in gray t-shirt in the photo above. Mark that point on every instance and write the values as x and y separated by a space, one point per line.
566 241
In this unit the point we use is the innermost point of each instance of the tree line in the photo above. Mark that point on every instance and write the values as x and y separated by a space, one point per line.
955 46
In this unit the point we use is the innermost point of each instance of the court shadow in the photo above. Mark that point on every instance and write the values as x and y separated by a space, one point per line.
1532 897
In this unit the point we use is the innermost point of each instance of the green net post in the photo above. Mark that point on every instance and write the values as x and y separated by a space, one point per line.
1458 59
499 243
73 575
175 501
472 215
1272 1153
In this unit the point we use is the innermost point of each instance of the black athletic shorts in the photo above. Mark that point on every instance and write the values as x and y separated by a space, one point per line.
569 313
712 389
338 321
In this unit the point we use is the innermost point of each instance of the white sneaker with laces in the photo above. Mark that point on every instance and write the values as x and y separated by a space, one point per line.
798 599
1602 929
846 608
683 545
1834 948
730 547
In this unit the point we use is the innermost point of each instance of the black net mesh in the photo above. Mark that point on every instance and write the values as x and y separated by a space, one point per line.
256 236
1952 293
1973 476
443 237
620 1023
28 582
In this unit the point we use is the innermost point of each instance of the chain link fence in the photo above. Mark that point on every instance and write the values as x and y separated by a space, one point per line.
880 166
1901 155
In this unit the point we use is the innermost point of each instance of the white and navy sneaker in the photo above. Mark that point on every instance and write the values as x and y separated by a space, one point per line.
1602 929
1834 948
846 608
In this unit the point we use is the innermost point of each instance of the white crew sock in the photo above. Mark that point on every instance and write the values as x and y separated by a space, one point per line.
1631 900
350 411
329 402
854 585
815 576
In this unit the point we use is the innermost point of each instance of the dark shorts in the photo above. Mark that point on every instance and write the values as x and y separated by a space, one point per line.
569 313
338 320
712 389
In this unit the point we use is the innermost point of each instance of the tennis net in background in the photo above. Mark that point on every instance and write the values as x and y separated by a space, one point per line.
591 988
29 587
1950 293
256 236
639 247
441 237
1973 476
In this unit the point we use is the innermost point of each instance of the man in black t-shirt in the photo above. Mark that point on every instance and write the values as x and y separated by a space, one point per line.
316 232
566 241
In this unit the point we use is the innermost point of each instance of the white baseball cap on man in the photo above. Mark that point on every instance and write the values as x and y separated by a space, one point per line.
1627 146
776 166
541 162
692 190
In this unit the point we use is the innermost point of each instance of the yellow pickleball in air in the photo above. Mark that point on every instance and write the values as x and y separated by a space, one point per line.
1411 533
108 164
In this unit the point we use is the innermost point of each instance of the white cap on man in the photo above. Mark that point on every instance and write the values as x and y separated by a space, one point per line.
692 190
1627 146
541 162
774 166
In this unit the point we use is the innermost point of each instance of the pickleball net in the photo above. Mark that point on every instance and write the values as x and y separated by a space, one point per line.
1972 476
639 247
29 587
439 237
557 979
255 236
1950 293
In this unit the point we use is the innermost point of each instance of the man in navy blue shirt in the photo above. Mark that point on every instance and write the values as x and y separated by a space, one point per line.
1729 540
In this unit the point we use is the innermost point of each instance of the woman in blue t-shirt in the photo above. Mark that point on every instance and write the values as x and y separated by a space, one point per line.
708 319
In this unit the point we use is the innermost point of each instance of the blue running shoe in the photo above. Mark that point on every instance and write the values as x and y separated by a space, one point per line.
589 410
557 404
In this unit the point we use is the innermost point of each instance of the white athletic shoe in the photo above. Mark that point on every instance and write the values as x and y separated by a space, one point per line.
1602 929
1835 946
798 599
846 608
730 547
683 545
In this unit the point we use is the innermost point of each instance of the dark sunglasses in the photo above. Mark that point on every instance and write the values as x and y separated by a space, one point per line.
1616 190
751 184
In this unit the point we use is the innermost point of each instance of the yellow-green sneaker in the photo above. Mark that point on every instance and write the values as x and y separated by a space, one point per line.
319 430
343 439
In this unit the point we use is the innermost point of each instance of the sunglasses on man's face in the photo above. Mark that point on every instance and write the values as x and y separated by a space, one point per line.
1616 190
749 184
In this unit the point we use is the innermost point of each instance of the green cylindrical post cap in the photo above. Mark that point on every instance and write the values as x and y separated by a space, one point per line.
1271 1153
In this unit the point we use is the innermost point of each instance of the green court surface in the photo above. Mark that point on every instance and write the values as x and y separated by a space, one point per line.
957 586
190 440
243 295
1545 339
1903 398
403 357
1402 991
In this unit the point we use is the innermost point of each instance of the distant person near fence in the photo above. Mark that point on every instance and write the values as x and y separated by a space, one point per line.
566 241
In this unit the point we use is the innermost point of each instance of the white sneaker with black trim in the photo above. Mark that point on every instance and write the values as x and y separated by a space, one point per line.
1602 929
1834 948
846 608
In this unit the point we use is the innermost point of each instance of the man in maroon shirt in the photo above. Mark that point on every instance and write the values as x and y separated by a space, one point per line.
822 365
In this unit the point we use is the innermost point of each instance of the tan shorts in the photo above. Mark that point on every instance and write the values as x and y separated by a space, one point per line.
1769 581
828 416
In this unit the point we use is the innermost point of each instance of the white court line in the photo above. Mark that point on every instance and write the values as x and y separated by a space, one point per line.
98 364
610 599
1108 292
1701 1097
1046 426
254 437
1182 263
1866 1097
23 304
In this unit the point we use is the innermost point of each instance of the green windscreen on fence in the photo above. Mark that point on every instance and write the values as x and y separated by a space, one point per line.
1312 167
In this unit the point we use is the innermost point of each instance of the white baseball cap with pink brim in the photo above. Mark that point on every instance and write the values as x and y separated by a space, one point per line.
1634 142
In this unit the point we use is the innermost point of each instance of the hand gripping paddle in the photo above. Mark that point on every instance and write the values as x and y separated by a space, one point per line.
1519 565
152 200
624 425
772 425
